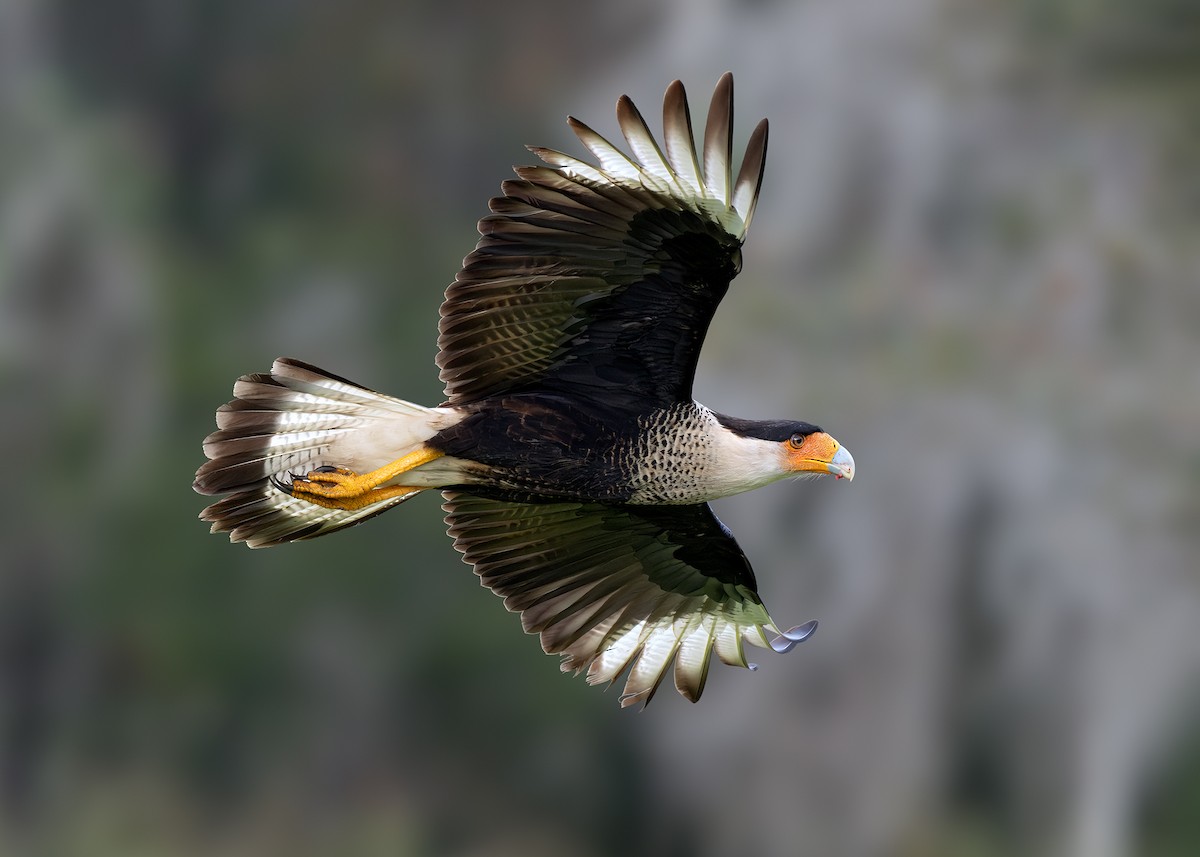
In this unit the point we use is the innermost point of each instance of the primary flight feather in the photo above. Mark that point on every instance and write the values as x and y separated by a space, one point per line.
575 466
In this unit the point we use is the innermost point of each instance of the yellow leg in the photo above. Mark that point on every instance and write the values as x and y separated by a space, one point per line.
353 504
345 485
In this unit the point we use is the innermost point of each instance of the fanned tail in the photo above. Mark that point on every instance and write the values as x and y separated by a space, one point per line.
292 421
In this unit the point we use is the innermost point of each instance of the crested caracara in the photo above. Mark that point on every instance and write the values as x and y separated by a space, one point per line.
574 464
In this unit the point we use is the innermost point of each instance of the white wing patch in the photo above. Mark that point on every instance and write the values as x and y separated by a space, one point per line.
607 589
677 174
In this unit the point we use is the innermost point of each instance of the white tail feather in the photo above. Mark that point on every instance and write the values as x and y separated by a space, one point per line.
292 421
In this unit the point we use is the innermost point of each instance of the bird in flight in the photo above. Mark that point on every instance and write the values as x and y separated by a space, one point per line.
575 467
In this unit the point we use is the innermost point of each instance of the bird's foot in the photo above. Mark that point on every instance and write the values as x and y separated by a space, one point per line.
329 481
341 488
302 488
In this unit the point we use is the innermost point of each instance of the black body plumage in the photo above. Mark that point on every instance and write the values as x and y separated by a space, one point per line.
544 444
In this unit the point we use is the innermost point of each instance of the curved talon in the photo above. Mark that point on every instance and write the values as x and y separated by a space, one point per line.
285 487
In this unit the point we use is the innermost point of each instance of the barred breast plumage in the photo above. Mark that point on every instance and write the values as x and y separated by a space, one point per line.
674 456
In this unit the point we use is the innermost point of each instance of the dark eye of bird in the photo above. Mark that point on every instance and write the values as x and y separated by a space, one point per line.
796 440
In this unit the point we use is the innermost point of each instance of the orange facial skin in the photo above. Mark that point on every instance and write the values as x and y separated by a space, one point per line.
818 453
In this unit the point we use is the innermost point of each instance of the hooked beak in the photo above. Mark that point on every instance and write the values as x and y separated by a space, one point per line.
842 464
820 453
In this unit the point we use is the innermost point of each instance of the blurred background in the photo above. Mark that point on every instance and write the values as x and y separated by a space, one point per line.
975 261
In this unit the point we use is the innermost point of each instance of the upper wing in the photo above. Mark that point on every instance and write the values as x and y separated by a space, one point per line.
602 280
612 586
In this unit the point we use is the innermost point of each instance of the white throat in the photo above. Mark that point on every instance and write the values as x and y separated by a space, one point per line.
689 457
744 463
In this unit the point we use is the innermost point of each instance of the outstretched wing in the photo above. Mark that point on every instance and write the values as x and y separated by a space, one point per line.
602 280
611 587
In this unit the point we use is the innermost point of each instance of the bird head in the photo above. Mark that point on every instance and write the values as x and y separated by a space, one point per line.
761 451
813 451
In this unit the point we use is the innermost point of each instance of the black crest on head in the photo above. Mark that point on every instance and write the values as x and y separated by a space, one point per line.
776 430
